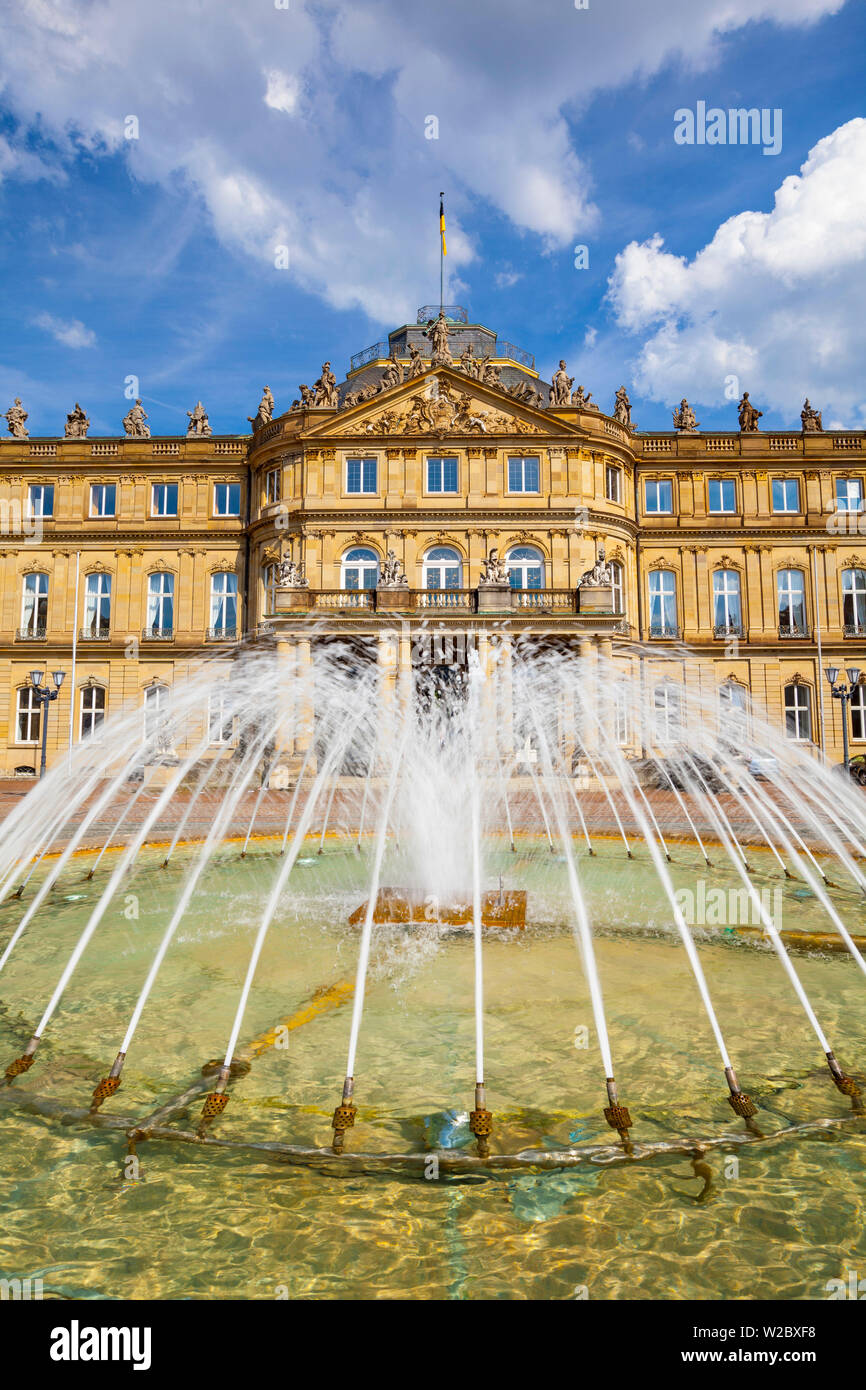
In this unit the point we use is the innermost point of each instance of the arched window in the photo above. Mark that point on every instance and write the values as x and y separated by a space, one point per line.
525 567
34 605
160 604
791 592
443 568
97 605
360 569
727 610
667 714
92 710
798 712
617 591
224 604
854 602
662 603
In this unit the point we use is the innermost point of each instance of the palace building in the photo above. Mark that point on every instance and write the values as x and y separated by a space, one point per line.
439 499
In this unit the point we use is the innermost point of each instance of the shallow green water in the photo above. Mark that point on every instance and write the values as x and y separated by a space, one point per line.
781 1222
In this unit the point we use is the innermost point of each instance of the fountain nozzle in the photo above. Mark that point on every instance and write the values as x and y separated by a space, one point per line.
846 1084
617 1115
215 1102
481 1121
22 1063
108 1085
740 1103
344 1115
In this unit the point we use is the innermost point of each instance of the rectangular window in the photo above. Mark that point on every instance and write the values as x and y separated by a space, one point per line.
220 717
97 605
612 482
663 604
786 495
103 499
723 495
858 713
41 499
224 604
92 710
29 711
849 495
34 605
227 499
361 476
164 499
272 486
658 495
160 604
524 475
798 715
441 475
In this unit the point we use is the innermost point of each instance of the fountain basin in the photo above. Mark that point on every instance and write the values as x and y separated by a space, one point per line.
498 909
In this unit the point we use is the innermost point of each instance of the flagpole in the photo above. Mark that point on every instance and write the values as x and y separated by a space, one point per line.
441 260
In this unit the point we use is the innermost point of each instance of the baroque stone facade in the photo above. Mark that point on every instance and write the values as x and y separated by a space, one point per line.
380 505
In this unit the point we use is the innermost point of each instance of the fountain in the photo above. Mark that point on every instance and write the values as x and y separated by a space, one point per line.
339 818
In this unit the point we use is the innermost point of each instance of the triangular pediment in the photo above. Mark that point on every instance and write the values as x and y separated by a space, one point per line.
442 402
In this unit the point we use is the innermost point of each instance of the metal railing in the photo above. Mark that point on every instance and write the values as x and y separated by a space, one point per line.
728 629
100 633
379 352
222 634
157 634
789 630
854 630
668 631
32 634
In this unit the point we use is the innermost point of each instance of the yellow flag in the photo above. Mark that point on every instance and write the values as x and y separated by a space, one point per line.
442 226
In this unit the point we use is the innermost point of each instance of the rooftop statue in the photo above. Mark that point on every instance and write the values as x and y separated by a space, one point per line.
392 375
467 363
16 418
600 576
560 386
265 412
522 391
748 416
326 388
307 396
437 332
134 421
811 419
417 365
77 424
199 424
622 408
495 571
684 419
392 576
583 399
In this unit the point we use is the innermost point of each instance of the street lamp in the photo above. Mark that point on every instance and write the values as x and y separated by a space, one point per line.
845 693
45 696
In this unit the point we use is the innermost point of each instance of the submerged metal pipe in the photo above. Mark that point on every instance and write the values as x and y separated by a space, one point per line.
481 1121
344 1115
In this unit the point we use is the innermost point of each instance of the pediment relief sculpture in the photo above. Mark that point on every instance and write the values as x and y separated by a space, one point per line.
442 410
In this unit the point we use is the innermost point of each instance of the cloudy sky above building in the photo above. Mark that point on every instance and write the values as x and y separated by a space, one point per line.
154 159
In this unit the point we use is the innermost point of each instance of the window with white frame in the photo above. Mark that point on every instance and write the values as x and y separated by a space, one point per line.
163 499
155 710
662 603
441 474
617 590
272 486
224 604
28 715
160 604
227 499
798 712
34 605
103 499
658 496
270 574
667 714
858 713
727 610
360 568
97 605
612 483
525 567
92 710
361 476
722 495
854 601
443 568
621 712
791 595
524 473
732 714
786 495
849 495
40 499
221 719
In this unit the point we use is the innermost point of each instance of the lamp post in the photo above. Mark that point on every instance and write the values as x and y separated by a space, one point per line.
45 696
845 693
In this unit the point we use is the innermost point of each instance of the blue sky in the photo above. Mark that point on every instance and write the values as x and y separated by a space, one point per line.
155 257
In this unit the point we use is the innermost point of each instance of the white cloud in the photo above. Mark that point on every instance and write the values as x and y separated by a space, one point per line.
589 337
507 277
777 299
352 184
70 332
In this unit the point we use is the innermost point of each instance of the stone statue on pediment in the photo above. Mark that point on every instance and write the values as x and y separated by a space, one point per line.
600 576
290 575
420 417
326 388
199 424
466 362
492 375
583 399
135 421
522 391
307 395
748 416
392 375
16 419
684 419
495 571
265 412
437 332
77 424
560 386
622 408
392 576
417 366
811 419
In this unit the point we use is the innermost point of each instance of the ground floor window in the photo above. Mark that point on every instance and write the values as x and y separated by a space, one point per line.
858 712
221 721
798 712
667 714
29 715
92 709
